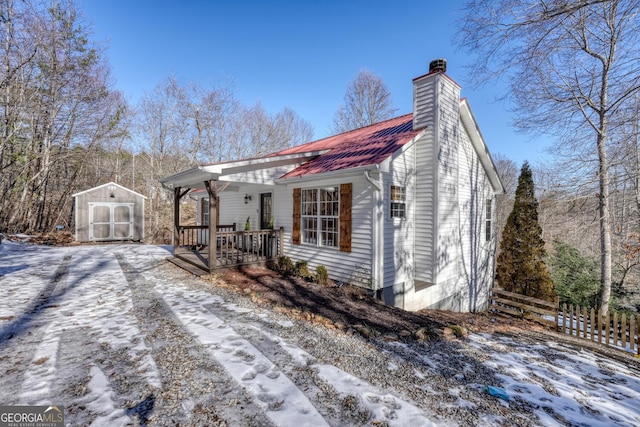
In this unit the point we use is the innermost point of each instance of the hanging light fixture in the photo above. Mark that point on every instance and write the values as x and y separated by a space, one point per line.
247 199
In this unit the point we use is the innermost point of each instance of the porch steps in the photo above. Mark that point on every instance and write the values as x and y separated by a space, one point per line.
196 271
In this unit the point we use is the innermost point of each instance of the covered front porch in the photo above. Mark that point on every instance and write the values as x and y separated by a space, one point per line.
232 247
210 245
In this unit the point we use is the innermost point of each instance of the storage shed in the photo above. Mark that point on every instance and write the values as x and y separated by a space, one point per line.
109 212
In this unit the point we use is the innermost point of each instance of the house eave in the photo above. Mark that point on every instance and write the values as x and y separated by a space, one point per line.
471 125
194 177
247 165
325 175
190 178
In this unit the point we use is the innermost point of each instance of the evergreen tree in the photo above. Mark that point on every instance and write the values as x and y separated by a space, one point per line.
520 266
576 277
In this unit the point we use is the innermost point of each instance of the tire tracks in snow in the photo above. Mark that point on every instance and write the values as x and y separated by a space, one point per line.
255 353
196 390
22 338
281 399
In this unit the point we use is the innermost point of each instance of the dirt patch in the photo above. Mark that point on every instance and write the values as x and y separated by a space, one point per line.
55 238
348 307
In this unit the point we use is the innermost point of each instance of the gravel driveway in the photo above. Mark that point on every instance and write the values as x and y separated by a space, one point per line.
118 336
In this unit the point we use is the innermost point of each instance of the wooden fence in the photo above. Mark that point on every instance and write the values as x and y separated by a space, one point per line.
614 329
525 307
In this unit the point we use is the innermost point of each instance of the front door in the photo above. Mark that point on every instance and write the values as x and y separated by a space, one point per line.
266 211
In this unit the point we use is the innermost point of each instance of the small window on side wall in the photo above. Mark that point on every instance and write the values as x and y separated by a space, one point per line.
488 232
398 197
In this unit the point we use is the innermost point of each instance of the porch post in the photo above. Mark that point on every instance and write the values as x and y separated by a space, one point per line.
213 222
175 238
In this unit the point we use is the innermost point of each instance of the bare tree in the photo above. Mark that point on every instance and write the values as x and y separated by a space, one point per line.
271 133
55 97
181 125
366 101
572 67
508 171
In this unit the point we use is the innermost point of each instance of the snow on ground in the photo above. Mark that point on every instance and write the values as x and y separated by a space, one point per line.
60 308
581 387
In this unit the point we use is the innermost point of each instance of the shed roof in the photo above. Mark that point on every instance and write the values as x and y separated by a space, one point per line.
105 185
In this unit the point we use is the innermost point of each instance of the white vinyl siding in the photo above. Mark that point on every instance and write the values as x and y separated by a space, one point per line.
425 208
425 99
233 208
399 234
448 158
341 265
424 102
476 260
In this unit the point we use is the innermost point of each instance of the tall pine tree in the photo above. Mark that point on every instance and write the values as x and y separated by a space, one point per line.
520 266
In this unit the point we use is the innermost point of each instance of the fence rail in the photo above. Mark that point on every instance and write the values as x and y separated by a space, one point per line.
525 307
615 330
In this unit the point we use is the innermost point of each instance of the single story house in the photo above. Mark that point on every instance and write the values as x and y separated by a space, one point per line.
403 207
109 212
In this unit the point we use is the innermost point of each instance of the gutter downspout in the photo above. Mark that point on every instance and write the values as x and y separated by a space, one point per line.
377 253
374 183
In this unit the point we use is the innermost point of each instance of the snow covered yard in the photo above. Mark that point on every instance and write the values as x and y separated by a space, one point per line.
117 336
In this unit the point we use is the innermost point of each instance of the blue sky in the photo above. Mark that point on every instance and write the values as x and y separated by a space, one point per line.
296 54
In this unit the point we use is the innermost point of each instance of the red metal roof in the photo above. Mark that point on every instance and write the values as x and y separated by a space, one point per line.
366 146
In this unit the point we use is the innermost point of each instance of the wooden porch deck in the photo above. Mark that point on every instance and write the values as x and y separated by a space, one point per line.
233 248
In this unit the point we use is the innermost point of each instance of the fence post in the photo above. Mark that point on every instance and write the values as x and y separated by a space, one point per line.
632 332
578 323
593 324
571 320
636 332
614 327
557 302
623 331
600 325
607 328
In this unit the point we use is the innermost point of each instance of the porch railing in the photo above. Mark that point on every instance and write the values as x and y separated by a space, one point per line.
232 247
194 236
245 247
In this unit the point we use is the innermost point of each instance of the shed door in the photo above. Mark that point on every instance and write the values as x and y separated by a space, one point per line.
110 221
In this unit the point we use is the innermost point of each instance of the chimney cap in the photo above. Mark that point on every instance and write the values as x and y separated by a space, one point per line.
438 66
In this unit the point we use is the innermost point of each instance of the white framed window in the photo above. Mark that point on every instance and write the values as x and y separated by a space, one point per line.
320 216
397 200
488 221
